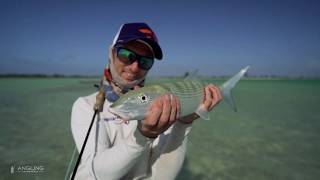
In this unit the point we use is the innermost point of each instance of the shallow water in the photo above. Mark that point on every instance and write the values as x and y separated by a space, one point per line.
274 135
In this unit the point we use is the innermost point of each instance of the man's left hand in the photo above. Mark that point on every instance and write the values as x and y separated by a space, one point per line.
212 97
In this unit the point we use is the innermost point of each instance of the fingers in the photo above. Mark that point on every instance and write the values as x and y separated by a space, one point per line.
173 112
207 98
212 97
178 107
166 109
154 113
162 113
175 108
216 96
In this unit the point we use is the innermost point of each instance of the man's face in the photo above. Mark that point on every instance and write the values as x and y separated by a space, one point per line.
132 71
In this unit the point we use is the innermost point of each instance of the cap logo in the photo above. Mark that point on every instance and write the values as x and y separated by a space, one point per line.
146 31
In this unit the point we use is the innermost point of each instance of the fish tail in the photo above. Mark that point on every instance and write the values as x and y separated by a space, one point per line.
226 88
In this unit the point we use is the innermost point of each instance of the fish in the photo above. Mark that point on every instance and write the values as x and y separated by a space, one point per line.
190 91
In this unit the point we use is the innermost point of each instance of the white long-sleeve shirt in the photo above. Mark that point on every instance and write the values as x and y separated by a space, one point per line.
116 150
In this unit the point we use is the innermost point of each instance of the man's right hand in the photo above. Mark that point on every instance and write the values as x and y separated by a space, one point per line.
161 114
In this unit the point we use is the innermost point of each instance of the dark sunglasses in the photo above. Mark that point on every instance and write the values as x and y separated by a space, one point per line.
128 57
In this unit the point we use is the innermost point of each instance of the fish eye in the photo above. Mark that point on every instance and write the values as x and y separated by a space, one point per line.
143 98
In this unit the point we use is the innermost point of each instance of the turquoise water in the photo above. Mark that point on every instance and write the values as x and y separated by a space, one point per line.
274 135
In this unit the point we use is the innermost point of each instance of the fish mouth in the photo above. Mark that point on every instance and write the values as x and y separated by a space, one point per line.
118 114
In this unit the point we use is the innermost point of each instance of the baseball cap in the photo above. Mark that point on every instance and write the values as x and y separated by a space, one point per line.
138 31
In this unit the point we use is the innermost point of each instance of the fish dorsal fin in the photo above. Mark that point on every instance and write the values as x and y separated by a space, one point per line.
193 75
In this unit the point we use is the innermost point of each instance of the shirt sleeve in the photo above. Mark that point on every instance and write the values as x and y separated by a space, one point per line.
101 159
169 153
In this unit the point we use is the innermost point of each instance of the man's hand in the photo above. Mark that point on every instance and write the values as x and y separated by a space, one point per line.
212 97
162 113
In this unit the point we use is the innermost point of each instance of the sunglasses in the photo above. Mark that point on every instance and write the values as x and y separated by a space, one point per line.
128 57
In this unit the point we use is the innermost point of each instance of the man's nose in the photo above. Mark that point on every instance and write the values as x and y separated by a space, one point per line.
134 67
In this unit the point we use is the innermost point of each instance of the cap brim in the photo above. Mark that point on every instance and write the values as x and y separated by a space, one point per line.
156 48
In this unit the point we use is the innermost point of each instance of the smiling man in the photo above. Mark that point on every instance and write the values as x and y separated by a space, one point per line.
150 149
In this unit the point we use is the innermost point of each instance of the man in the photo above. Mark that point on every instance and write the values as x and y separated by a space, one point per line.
150 149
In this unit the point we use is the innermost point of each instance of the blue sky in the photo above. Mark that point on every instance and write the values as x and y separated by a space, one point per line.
216 37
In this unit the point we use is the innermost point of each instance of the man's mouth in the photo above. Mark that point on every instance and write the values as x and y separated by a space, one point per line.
130 76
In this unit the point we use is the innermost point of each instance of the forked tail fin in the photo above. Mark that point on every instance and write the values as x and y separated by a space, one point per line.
227 87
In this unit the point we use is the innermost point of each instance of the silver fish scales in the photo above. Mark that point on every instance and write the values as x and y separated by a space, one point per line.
189 92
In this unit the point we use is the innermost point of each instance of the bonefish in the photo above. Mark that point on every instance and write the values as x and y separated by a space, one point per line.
133 105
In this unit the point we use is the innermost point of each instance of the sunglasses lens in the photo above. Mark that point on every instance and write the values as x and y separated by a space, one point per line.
126 56
146 63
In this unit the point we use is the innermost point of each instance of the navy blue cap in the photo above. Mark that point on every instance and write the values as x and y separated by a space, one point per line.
138 31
